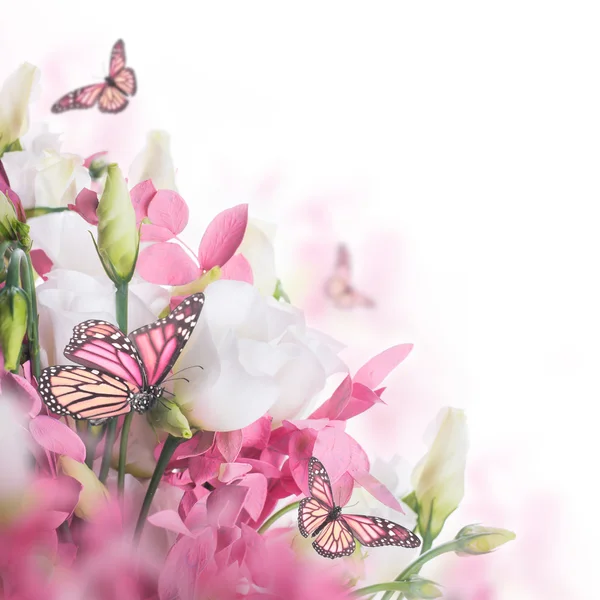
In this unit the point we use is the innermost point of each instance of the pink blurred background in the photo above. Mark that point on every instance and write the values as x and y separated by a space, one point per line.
453 148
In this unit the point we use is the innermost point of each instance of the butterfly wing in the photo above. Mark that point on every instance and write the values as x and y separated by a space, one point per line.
311 515
160 343
374 531
101 345
84 97
319 484
126 82
336 540
117 58
85 393
112 100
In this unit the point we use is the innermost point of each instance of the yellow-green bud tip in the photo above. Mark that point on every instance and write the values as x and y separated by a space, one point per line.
478 539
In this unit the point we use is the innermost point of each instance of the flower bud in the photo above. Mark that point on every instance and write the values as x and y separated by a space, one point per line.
118 236
422 588
477 539
11 229
438 479
166 416
14 100
13 324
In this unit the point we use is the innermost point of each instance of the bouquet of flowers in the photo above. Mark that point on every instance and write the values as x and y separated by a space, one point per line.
166 427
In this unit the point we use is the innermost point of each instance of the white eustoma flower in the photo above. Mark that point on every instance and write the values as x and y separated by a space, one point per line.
44 177
154 162
15 96
70 297
257 356
438 479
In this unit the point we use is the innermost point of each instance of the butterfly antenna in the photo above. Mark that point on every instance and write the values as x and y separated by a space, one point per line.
176 379
164 405
186 368
168 392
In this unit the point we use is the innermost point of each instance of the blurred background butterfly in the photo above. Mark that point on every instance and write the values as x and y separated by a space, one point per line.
119 372
339 288
335 533
111 95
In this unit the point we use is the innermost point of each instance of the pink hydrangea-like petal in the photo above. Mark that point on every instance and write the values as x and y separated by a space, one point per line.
379 367
141 196
155 233
55 436
333 408
24 392
257 493
168 209
301 449
261 466
256 435
377 489
361 400
238 269
223 236
166 263
170 520
41 263
225 504
86 205
230 471
342 489
229 443
332 447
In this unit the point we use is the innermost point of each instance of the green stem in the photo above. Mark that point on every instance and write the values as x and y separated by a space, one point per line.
171 444
121 305
277 515
33 330
111 434
39 211
391 587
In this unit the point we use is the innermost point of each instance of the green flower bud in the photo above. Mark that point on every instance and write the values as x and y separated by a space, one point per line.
422 588
486 539
166 416
13 324
118 236
11 229
97 168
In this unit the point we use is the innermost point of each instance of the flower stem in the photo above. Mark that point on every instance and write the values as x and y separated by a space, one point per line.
121 301
33 331
171 444
111 434
390 587
277 515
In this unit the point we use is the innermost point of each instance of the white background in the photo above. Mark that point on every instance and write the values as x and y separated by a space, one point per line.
455 147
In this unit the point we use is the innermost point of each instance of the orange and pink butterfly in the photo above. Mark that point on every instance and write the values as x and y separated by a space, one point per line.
111 95
119 373
335 533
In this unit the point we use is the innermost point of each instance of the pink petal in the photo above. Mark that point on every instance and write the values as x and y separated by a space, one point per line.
342 489
169 210
155 233
256 435
225 504
333 449
301 449
229 444
90 159
24 391
166 263
257 494
141 195
361 400
261 466
377 489
86 205
379 367
237 268
230 471
41 262
203 469
4 183
56 499
16 202
223 236
55 436
332 408
201 443
170 520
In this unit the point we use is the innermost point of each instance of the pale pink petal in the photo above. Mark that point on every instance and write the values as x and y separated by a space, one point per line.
56 499
230 471
301 449
86 205
169 210
141 195
41 263
225 504
88 161
170 520
229 444
334 450
238 269
23 390
332 408
166 263
257 493
155 233
261 466
361 400
377 489
379 367
55 436
223 236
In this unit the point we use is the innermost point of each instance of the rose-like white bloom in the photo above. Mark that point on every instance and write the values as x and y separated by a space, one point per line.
257 356
257 249
70 297
44 177
15 96
439 478
154 162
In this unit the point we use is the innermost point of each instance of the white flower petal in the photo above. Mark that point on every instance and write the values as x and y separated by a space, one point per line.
154 162
258 250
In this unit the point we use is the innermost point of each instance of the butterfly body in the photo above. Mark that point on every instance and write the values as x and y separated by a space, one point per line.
111 95
119 373
339 287
335 532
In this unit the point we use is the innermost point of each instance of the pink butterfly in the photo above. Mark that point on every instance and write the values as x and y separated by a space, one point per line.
338 286
119 372
110 95
320 517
